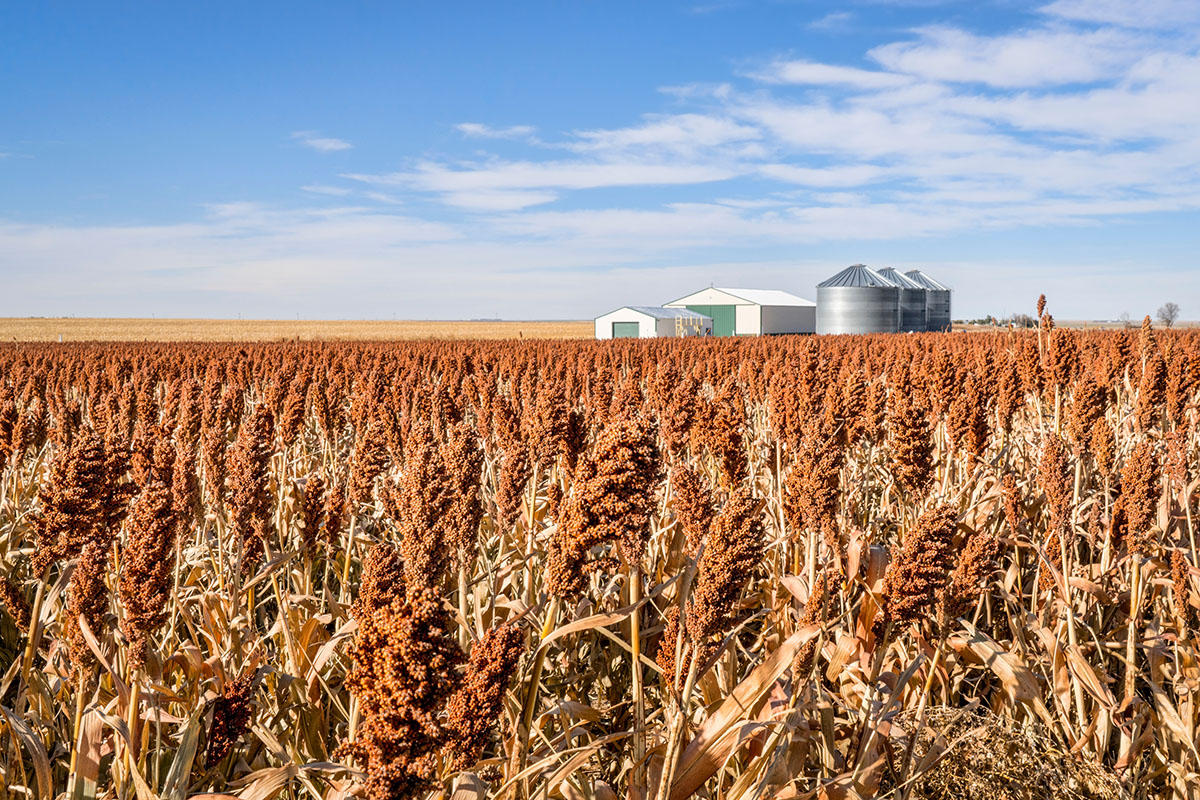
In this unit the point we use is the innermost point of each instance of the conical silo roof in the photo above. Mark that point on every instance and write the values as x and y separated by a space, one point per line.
899 278
857 275
925 281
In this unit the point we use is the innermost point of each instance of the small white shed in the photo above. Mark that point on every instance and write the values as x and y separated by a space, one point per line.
751 312
648 322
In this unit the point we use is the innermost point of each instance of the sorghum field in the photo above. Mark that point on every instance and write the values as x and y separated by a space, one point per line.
936 565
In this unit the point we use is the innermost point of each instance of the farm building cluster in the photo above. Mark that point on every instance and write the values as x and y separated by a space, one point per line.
856 300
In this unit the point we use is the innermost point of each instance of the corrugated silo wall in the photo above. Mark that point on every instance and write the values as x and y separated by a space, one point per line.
937 310
912 310
858 309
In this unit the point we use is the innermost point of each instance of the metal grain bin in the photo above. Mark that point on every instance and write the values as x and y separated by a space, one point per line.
858 300
937 301
912 300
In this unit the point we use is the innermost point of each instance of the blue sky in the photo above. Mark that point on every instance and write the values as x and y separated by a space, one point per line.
557 159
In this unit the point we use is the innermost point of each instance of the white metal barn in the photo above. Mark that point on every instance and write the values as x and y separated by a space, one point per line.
648 322
751 312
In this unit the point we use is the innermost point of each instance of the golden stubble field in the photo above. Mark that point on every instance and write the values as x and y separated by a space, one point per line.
50 329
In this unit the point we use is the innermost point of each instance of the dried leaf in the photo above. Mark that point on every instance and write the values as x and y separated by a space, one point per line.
1083 671
36 750
1019 682
711 745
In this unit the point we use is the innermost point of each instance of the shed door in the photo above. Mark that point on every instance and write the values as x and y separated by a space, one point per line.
723 318
626 330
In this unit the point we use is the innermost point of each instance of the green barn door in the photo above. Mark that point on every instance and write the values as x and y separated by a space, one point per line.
626 330
723 318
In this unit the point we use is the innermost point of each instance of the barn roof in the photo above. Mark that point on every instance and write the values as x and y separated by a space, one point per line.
757 297
768 297
662 313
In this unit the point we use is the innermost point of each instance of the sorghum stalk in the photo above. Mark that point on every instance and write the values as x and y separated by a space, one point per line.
535 679
639 700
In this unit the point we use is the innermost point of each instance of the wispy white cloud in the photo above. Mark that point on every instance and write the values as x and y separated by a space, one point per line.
506 176
698 91
1128 13
322 144
384 197
815 74
857 133
497 199
1151 106
679 133
477 130
1038 57
834 21
826 177
332 191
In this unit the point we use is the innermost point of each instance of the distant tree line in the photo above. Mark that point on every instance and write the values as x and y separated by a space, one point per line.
1167 315
1011 321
